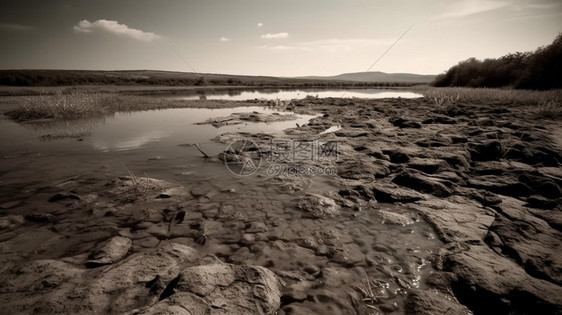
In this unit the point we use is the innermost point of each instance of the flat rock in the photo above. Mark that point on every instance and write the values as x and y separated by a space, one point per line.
422 183
390 192
318 206
387 217
492 284
230 289
113 251
430 302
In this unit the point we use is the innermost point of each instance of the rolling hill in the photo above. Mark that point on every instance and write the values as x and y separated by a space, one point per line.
376 76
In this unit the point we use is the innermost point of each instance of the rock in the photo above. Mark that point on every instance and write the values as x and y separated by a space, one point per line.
543 186
387 217
429 166
391 193
422 183
348 255
113 251
536 201
430 302
491 284
257 227
231 289
397 156
296 292
11 204
485 197
50 286
351 133
362 170
532 243
503 185
39 217
59 196
433 143
404 123
318 206
490 150
10 221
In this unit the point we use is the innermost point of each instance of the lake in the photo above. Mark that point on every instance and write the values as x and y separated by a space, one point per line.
288 94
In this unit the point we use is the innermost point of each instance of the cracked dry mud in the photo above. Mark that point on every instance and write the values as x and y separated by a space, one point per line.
434 209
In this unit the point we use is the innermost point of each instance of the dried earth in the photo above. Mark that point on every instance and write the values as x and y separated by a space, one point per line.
434 209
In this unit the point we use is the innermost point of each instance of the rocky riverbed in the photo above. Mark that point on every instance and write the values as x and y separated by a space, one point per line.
434 209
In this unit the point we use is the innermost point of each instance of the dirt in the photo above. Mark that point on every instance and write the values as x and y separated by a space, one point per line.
434 209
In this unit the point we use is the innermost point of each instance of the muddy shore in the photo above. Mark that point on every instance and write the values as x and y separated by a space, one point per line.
450 208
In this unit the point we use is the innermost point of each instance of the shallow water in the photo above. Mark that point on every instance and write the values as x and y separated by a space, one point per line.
284 94
155 143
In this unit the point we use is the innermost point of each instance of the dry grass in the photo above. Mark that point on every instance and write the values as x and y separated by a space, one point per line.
62 106
446 96
71 105
139 186
371 296
550 110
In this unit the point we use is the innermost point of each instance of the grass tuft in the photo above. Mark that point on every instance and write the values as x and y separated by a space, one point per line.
549 109
62 106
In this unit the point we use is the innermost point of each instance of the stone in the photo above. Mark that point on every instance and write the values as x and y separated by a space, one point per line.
318 206
422 183
387 217
430 302
405 123
537 201
490 150
396 156
232 289
60 196
392 193
113 251
491 284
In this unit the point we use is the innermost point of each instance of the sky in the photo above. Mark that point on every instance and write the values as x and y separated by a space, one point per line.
273 38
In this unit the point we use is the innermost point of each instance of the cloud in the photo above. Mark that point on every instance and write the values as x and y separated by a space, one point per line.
15 27
275 35
113 27
224 39
470 7
260 24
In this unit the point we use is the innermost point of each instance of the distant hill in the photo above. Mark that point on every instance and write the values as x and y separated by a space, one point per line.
170 78
377 76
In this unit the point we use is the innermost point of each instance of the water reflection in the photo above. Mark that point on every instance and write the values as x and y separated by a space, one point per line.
49 130
283 94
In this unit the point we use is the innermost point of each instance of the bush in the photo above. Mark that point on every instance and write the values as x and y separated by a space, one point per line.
539 70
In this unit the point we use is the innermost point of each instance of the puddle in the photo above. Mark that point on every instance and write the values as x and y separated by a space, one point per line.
149 142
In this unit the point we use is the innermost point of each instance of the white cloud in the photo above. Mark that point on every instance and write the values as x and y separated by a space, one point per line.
260 24
224 39
275 35
113 27
470 7
15 27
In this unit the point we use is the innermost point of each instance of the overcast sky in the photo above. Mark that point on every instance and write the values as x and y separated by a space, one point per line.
266 37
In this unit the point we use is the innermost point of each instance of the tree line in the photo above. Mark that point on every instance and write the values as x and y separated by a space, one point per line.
538 70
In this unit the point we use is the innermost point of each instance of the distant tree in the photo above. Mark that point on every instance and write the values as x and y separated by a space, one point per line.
531 70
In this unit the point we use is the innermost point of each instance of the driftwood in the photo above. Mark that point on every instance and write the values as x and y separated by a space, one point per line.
198 148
